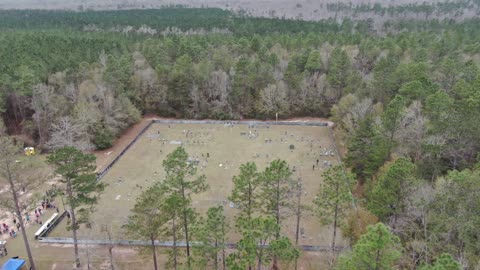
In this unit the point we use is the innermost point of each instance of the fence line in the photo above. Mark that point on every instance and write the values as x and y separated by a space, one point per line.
334 142
109 166
167 121
64 240
242 122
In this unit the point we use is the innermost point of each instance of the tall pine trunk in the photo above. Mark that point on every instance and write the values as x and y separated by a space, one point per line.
154 251
20 220
335 217
334 228
174 231
185 226
260 255
216 254
277 217
298 214
277 210
74 224
185 220
224 266
249 212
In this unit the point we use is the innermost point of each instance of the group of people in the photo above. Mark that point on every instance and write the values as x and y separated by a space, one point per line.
38 213
47 204
10 230
5 229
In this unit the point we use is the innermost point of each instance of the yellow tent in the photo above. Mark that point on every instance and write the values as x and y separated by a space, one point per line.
29 151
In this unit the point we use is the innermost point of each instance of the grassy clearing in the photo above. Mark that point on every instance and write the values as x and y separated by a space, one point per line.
227 148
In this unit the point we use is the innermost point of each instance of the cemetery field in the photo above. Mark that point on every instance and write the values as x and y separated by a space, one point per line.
219 150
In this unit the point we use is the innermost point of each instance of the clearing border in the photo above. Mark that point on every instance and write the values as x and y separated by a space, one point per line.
218 148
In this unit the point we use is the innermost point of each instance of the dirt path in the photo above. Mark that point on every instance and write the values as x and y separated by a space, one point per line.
104 157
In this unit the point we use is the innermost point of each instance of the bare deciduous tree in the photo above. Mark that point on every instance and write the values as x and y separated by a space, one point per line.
413 131
148 92
65 132
350 111
413 225
87 116
47 105
273 99
218 87
71 92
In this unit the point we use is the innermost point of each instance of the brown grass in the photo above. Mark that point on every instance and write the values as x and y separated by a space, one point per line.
141 166
227 147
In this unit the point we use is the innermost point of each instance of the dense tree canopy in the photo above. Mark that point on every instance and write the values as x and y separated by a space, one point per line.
404 95
378 249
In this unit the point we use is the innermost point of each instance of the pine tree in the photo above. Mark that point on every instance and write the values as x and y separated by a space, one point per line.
277 191
388 195
245 196
313 63
334 198
178 183
367 150
392 115
245 190
173 212
443 262
261 244
147 220
377 249
211 234
339 69
81 186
